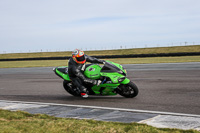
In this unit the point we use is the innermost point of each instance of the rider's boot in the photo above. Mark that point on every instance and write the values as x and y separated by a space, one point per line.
84 93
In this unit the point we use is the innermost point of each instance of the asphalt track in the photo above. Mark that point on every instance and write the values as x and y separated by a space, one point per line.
162 87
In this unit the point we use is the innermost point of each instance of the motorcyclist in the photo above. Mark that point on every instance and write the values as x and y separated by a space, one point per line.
76 67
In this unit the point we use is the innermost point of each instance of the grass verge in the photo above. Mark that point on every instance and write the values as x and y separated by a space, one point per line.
47 63
24 122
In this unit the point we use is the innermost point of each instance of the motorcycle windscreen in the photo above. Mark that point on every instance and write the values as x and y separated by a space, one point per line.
108 67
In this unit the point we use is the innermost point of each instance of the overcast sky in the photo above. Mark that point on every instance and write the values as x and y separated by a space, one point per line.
32 25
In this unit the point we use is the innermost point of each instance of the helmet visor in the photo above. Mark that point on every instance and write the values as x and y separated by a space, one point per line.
82 58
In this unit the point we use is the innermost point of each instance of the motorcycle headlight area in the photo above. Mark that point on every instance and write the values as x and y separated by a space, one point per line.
121 79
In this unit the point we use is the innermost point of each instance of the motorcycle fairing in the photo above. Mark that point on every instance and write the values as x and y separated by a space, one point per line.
110 67
62 72
93 71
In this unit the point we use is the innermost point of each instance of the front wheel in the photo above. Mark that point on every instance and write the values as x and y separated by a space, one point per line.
129 90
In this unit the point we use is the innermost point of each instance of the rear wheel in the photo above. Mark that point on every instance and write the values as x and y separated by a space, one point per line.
70 88
129 90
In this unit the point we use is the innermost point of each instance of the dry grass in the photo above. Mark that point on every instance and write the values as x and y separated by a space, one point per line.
178 49
47 63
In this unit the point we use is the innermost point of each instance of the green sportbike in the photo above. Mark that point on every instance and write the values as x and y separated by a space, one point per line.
112 75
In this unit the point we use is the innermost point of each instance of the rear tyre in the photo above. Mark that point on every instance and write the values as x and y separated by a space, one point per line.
70 88
129 90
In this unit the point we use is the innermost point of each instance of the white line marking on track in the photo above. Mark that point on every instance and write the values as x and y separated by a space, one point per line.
108 108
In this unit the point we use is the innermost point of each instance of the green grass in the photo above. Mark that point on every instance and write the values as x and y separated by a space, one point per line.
47 63
22 122
177 49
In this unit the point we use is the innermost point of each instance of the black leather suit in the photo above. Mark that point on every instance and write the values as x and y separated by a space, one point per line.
76 70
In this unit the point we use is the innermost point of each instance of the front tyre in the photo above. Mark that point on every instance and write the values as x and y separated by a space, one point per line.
129 90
